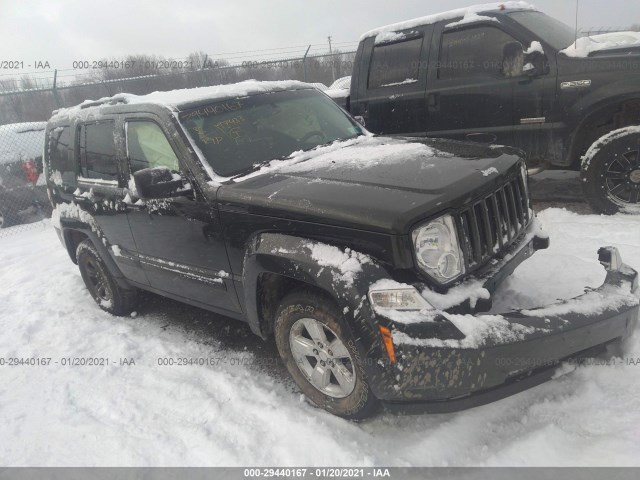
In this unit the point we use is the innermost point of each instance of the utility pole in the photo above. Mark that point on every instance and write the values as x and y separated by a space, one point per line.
333 65
54 89
576 39
304 63
202 67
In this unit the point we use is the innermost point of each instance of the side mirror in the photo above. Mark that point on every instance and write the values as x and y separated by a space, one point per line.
529 69
536 64
158 182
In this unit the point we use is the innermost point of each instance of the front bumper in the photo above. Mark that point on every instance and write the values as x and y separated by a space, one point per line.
453 361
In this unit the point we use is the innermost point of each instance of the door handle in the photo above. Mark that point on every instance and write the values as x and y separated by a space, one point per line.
433 102
81 200
481 137
138 208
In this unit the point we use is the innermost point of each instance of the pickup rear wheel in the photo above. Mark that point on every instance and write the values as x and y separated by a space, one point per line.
101 285
321 355
611 172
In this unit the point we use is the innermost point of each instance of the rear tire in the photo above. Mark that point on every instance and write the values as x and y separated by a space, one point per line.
102 286
321 355
611 172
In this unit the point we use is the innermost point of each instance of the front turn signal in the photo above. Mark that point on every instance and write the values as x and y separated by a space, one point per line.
388 342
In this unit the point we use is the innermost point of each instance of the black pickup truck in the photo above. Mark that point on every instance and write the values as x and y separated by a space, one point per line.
369 259
508 74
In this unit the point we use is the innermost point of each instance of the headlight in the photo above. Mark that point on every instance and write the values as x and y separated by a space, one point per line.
398 299
437 250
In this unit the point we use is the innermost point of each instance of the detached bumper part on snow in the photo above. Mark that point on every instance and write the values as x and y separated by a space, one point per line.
449 371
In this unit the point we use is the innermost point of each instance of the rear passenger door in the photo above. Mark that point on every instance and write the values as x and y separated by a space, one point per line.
391 93
100 191
179 239
470 94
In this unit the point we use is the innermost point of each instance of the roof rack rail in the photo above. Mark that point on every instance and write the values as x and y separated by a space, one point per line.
108 101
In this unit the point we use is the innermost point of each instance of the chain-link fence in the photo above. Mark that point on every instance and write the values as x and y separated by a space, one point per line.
33 98
23 194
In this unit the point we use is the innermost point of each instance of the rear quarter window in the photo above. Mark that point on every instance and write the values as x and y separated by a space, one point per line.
62 168
97 149
395 63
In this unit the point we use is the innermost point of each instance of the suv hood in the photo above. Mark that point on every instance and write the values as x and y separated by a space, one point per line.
372 183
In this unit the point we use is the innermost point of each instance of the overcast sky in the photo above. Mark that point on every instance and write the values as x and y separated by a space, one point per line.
66 30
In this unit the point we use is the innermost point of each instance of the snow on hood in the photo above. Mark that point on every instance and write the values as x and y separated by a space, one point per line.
372 151
174 98
21 141
337 93
448 15
584 46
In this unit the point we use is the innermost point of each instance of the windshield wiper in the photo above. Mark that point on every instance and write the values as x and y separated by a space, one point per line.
257 166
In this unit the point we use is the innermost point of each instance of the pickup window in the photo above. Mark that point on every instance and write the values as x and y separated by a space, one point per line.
395 63
473 52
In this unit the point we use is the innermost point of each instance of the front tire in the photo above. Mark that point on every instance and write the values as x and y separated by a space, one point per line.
611 172
321 355
102 286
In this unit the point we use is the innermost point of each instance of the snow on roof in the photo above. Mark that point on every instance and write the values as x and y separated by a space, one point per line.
605 41
471 17
343 82
13 128
21 141
175 98
448 15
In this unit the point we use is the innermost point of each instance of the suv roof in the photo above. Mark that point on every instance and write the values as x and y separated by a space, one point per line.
181 99
448 15
21 141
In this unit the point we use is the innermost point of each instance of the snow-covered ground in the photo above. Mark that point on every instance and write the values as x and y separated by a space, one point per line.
243 410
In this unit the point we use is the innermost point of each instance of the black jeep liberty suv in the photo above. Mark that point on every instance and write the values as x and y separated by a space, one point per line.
266 202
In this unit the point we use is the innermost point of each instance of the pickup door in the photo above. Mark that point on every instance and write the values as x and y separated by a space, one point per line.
391 80
478 90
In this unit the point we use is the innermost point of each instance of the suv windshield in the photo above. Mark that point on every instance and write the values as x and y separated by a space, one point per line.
236 135
553 31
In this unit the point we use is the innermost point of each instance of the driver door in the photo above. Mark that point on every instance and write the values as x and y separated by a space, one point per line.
178 239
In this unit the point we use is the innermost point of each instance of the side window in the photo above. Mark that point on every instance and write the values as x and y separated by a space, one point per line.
395 63
98 151
478 52
148 147
62 167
